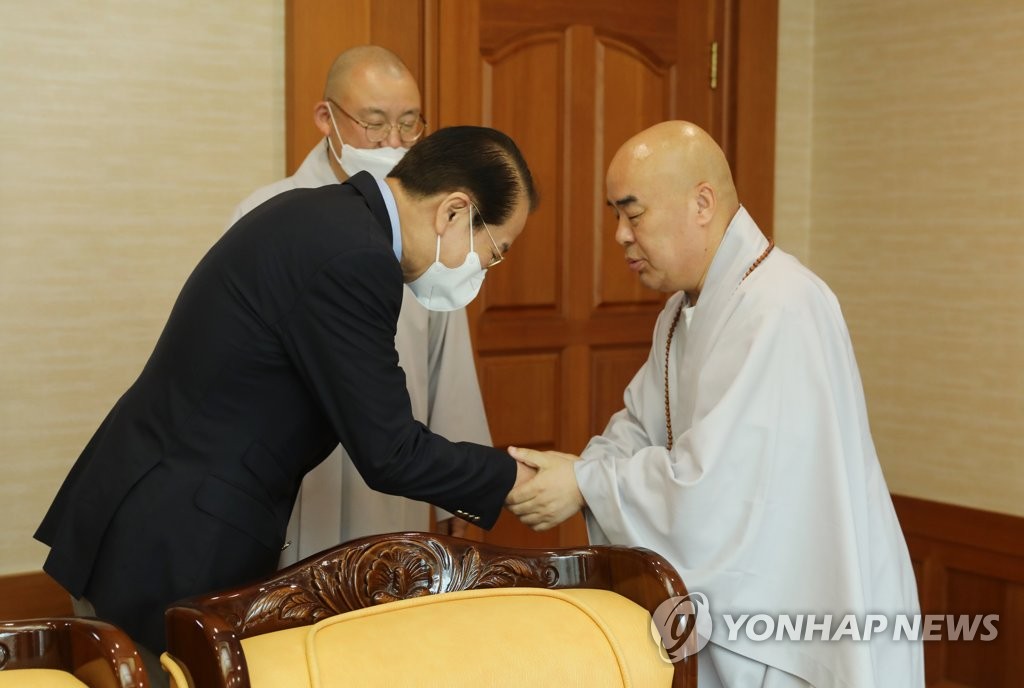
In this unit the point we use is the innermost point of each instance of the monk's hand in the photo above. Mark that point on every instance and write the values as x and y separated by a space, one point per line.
552 495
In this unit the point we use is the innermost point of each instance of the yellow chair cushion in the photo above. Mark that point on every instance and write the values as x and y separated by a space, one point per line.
39 678
494 637
278 659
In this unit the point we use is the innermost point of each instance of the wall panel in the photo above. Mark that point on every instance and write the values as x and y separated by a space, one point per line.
968 561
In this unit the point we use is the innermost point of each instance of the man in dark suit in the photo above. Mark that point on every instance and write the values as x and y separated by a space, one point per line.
280 345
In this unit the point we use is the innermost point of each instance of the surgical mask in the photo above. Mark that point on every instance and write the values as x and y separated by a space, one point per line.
442 288
376 161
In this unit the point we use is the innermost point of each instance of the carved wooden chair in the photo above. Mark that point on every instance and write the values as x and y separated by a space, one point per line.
208 637
68 652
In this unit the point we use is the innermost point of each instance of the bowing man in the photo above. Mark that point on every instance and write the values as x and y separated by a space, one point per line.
280 345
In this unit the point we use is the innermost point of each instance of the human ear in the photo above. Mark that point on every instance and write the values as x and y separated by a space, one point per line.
448 211
322 118
442 218
706 202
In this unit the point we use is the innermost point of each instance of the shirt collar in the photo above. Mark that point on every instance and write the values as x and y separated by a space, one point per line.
396 229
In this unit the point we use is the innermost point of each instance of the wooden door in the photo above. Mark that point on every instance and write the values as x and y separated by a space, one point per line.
561 327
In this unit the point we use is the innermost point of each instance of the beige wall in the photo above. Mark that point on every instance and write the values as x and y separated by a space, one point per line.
129 131
793 128
913 185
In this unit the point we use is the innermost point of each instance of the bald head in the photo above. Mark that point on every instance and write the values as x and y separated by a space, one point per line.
359 60
674 197
672 156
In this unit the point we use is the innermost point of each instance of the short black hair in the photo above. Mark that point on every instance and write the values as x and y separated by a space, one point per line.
483 162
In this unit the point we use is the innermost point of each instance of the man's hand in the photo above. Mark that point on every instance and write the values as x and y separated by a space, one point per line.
550 497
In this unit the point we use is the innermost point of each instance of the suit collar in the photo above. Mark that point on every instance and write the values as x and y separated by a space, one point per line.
366 185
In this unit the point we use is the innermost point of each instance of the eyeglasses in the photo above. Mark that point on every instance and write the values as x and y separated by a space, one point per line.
498 254
408 131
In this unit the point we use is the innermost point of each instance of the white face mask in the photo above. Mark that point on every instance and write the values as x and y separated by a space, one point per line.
376 161
442 288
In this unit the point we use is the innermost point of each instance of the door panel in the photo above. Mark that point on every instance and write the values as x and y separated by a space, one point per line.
612 368
532 279
526 385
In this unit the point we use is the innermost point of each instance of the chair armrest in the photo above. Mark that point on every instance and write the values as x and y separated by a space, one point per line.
83 647
213 648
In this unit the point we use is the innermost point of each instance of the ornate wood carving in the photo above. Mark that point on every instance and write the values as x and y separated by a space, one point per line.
386 571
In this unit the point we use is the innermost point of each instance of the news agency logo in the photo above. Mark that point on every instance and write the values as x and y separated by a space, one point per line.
836 628
682 625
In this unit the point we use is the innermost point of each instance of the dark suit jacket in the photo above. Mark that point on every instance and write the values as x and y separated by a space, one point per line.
280 345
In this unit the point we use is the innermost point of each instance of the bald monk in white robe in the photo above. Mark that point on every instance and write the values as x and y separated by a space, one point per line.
759 482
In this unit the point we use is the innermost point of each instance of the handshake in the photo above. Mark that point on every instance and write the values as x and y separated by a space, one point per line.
545 492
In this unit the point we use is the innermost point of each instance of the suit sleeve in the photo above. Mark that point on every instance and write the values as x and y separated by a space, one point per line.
340 336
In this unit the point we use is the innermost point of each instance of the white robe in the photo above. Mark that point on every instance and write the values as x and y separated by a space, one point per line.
435 351
772 499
